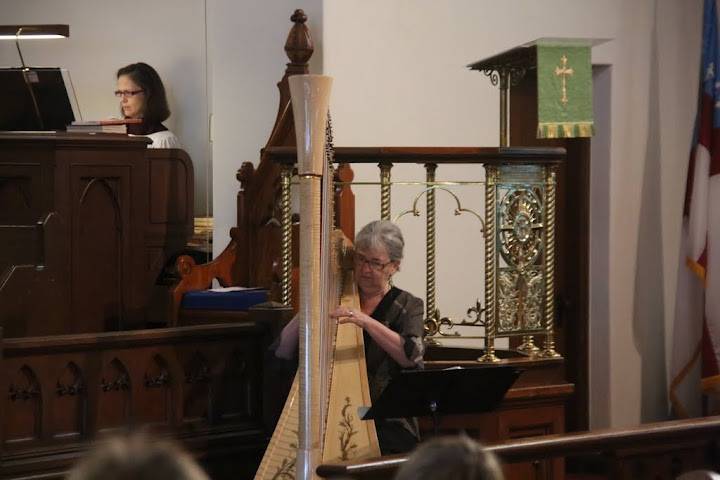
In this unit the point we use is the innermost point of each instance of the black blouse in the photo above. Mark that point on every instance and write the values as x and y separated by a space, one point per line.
145 128
403 313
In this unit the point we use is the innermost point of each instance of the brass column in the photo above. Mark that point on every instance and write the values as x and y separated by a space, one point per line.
504 106
286 240
431 320
491 176
385 178
549 263
528 346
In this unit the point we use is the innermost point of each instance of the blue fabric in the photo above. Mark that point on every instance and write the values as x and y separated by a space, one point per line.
233 300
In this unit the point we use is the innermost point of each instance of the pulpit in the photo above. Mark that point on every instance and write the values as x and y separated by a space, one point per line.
515 72
87 223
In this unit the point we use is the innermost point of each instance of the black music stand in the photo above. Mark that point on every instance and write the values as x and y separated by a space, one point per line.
36 99
455 390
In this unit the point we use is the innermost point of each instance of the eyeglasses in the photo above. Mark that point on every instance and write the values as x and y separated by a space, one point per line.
361 260
127 93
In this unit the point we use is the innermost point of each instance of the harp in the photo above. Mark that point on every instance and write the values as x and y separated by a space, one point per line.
319 422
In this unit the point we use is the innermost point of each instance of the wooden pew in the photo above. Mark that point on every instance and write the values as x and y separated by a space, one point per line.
658 451
199 384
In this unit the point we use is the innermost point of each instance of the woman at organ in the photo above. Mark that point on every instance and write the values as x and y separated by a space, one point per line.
142 96
392 323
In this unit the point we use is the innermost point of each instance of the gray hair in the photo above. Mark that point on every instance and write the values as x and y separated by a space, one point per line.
382 234
451 458
137 457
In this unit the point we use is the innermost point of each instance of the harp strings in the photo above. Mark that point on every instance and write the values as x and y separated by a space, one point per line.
330 283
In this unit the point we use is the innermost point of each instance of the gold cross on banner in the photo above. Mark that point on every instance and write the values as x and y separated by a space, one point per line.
563 72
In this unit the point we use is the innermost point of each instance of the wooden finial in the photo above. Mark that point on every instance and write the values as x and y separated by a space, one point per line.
299 45
298 16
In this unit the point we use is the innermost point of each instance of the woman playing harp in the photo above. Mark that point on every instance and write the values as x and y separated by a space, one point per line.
392 323
319 421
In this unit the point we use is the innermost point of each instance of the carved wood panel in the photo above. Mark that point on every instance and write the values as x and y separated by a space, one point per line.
514 420
99 240
238 397
111 235
168 191
20 193
660 462
533 422
199 383
114 396
197 388
156 390
16 200
23 410
69 404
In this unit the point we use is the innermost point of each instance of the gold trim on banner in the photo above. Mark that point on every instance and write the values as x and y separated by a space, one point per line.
586 129
565 129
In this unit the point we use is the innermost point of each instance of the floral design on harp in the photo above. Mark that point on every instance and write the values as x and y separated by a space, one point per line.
286 470
347 432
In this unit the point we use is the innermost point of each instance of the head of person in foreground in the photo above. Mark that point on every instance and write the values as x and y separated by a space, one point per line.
451 458
136 457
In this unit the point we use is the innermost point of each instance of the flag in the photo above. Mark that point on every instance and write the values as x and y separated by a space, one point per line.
696 336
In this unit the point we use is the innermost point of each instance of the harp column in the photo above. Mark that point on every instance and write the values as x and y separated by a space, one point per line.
310 99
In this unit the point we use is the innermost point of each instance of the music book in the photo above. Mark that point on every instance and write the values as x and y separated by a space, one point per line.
111 125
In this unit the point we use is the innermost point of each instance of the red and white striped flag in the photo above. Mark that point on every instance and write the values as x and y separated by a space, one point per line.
696 336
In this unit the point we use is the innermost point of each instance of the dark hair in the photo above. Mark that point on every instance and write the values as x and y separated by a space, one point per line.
451 458
156 105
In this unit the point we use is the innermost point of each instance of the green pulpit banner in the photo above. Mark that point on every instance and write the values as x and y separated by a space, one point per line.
564 77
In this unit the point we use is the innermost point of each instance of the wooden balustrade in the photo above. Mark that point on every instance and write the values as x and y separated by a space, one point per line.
656 451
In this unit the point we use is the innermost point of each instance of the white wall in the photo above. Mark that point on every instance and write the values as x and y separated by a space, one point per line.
400 80
599 294
245 45
104 36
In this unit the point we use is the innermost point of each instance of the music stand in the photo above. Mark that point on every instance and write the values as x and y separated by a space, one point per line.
36 99
455 390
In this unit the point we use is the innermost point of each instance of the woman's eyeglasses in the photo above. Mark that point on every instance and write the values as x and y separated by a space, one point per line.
361 260
127 93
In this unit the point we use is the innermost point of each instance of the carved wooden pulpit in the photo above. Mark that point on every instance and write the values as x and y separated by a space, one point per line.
515 72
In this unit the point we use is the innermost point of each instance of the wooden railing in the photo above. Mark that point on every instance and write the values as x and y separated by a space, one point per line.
518 232
652 451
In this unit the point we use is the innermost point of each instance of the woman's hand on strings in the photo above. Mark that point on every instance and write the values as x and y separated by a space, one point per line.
350 315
